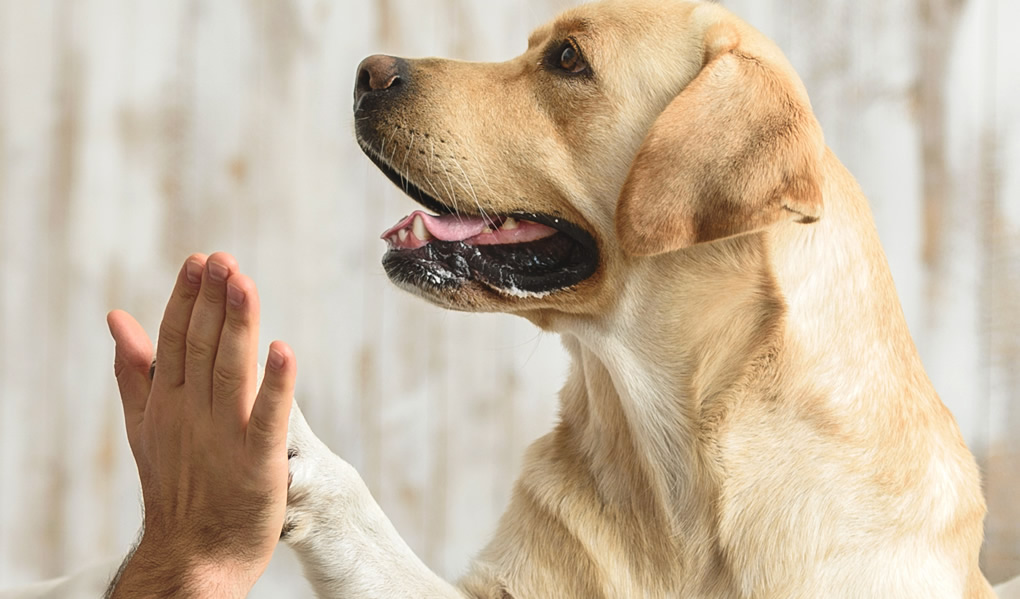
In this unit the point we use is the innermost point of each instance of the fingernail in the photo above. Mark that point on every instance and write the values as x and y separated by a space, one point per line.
235 295
275 359
193 270
218 272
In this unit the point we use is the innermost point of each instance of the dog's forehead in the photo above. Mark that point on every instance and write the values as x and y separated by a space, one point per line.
595 15
563 26
619 19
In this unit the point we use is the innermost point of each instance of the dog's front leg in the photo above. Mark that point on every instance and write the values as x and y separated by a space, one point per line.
345 542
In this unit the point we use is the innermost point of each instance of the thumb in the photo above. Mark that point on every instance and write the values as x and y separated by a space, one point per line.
131 363
267 426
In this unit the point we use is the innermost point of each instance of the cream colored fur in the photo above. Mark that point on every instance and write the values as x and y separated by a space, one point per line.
746 414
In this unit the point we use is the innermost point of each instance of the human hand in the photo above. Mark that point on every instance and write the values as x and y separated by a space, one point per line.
211 450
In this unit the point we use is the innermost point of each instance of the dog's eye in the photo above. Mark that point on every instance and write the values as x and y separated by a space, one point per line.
570 59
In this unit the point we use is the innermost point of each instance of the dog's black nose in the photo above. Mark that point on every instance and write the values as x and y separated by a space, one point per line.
378 74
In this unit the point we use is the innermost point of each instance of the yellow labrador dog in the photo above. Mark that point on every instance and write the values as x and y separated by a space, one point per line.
746 414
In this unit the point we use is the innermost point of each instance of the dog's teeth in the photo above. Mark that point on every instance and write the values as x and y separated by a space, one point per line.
510 224
402 234
419 229
486 230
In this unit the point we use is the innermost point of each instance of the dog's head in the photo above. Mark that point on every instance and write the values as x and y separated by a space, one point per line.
629 129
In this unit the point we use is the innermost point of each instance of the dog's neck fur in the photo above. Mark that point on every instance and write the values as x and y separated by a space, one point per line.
648 381
643 407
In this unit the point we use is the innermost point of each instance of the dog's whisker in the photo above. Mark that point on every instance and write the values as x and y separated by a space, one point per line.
484 178
471 190
451 192
449 198
430 159
428 180
393 151
403 165
450 181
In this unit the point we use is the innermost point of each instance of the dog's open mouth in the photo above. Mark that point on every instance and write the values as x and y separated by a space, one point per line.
521 254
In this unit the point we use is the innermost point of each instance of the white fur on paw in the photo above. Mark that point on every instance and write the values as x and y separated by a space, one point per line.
301 459
320 482
298 520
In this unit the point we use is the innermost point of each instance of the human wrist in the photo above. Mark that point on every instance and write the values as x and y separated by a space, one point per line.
162 570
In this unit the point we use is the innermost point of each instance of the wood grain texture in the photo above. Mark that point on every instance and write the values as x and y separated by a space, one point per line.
133 132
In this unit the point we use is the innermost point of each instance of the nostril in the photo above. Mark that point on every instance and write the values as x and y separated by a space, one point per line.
378 73
379 81
364 83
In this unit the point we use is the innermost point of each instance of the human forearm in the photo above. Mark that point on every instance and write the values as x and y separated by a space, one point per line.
158 571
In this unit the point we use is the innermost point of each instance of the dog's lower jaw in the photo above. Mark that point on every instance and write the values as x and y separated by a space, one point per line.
346 544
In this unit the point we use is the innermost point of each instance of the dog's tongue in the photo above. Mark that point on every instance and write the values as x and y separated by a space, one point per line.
448 227
419 228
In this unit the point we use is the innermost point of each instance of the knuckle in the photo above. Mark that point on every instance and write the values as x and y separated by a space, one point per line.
199 350
212 293
262 424
226 382
272 385
278 382
170 335
184 291
237 324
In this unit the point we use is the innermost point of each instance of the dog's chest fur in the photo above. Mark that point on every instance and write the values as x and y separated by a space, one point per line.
701 454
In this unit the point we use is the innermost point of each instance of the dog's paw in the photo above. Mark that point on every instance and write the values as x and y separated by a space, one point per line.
318 485
297 520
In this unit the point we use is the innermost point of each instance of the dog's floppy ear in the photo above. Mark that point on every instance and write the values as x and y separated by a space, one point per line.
737 150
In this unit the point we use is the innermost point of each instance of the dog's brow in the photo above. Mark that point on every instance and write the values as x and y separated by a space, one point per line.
574 24
559 29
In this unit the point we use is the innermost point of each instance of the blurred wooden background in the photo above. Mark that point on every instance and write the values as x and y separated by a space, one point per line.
134 132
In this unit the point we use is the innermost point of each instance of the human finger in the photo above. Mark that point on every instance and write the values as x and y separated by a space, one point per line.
235 371
173 330
206 324
131 363
267 427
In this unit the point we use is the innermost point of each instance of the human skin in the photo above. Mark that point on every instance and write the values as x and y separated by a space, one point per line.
209 442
